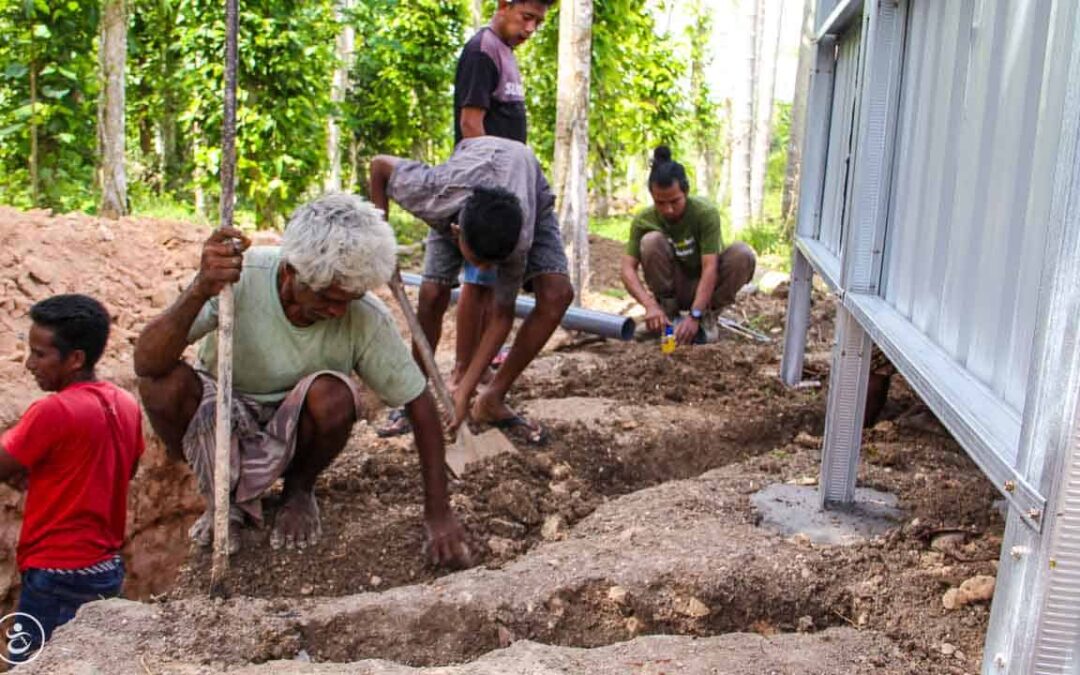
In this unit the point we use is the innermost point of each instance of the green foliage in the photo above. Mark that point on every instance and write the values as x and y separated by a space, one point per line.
635 100
647 88
612 227
706 126
408 229
767 236
287 59
156 94
152 205
51 44
401 100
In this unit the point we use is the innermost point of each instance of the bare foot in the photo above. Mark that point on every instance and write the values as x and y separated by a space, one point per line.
202 532
297 523
488 408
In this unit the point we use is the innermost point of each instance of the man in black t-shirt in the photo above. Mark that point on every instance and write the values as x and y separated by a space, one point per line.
489 97
489 100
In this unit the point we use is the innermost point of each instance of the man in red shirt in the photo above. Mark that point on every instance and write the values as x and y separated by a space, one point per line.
79 448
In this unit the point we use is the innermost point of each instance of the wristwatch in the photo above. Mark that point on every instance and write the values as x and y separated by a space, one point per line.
695 314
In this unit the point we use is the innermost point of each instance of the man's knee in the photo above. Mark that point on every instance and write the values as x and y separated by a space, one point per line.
654 245
433 299
330 404
554 294
742 259
172 395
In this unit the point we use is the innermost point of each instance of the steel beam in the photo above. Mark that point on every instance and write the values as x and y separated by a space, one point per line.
983 423
824 262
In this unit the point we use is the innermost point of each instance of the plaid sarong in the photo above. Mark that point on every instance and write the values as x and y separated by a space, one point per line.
263 440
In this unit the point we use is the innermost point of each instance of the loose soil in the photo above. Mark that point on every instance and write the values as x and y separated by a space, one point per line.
644 487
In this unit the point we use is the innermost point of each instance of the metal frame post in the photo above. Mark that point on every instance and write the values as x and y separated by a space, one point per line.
861 258
815 147
798 319
844 414
1035 618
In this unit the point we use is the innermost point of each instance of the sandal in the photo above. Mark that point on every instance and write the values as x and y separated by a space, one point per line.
523 430
398 424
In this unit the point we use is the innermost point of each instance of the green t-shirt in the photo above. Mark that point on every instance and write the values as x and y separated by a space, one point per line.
270 354
696 234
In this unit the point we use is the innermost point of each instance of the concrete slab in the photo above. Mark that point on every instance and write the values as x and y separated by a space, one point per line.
795 509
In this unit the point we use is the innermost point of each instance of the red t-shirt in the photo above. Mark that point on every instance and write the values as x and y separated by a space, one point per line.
79 465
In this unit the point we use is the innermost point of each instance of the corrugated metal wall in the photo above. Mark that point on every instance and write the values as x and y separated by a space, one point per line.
980 115
836 197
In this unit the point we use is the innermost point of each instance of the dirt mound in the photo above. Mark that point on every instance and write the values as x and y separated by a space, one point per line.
135 267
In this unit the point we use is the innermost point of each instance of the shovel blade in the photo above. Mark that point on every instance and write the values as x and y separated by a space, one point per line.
471 449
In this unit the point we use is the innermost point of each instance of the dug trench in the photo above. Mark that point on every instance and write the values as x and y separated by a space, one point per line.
634 522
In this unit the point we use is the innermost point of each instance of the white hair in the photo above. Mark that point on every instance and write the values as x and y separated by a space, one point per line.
340 239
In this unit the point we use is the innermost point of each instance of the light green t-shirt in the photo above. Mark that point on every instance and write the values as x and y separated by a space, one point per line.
270 354
696 234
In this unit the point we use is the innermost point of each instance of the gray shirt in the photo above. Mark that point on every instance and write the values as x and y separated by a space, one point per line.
436 194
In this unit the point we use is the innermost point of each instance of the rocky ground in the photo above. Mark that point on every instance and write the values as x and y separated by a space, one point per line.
627 544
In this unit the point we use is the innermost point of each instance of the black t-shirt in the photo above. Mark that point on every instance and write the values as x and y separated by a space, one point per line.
488 77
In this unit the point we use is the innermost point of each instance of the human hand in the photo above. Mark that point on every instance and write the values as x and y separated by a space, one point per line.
655 319
461 407
221 261
444 541
686 331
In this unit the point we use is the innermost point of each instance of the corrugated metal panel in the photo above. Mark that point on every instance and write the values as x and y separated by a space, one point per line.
838 163
970 198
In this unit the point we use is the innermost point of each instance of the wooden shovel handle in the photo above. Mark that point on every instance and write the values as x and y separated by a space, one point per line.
421 342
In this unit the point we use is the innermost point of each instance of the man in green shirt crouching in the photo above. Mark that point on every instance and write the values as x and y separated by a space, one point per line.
304 321
677 242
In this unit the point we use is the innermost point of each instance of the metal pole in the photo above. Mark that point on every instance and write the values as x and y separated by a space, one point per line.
222 479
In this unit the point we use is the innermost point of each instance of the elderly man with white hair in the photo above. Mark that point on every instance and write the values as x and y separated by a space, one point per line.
304 321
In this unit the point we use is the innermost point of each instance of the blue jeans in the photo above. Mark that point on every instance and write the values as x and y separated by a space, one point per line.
53 598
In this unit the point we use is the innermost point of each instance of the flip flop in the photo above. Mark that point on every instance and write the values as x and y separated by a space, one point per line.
499 358
523 430
399 424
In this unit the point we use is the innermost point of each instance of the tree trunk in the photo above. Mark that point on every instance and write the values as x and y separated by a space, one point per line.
742 118
198 175
346 40
770 18
33 133
477 10
354 168
168 127
112 56
798 121
167 130
572 136
698 33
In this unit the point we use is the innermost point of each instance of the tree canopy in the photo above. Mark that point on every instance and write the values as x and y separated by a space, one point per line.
647 88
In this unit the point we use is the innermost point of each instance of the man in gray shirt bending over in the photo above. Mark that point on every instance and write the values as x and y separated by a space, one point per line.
488 204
